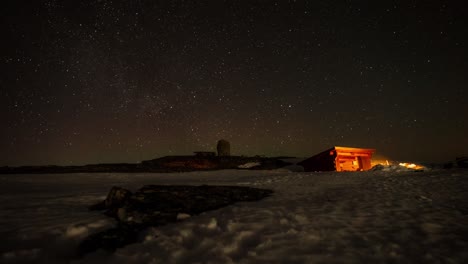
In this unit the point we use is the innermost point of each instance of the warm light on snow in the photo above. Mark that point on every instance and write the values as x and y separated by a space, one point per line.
395 164
411 166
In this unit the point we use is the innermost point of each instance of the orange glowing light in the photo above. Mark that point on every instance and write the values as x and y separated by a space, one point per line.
411 166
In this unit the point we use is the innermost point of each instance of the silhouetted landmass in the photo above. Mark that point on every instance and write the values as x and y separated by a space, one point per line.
164 164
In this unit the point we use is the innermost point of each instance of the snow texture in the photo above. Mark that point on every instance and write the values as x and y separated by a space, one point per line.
355 217
249 165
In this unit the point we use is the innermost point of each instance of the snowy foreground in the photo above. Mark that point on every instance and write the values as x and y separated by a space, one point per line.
333 217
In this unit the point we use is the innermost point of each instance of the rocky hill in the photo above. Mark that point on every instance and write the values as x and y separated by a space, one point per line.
163 164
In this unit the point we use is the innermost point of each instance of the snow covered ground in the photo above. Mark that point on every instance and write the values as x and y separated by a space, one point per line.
379 216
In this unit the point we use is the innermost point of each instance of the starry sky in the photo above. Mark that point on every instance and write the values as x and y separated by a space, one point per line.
124 81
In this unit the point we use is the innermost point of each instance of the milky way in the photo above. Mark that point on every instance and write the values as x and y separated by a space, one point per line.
124 81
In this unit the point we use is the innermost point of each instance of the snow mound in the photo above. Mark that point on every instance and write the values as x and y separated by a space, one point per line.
249 165
293 168
395 168
82 230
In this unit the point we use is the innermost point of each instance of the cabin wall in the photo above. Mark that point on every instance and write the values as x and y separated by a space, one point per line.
346 163
353 161
321 162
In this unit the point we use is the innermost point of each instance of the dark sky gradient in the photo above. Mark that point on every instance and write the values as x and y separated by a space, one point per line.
125 81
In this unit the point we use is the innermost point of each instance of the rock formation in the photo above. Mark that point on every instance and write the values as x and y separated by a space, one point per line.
156 205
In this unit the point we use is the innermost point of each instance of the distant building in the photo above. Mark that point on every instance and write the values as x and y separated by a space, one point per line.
224 148
204 153
340 159
462 162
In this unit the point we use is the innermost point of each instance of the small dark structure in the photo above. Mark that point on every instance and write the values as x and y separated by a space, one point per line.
224 148
462 162
340 159
205 153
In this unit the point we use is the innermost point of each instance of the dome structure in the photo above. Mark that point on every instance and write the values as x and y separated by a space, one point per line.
224 148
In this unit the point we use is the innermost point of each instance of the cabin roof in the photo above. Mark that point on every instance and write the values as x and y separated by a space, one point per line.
348 149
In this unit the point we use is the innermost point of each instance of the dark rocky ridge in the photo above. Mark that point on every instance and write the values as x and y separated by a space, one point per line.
164 164
156 205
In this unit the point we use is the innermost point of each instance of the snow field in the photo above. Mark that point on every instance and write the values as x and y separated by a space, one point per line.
356 217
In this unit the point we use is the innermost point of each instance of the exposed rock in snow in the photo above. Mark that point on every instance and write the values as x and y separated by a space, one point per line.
156 205
114 200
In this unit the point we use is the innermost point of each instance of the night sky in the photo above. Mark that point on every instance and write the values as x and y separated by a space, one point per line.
124 81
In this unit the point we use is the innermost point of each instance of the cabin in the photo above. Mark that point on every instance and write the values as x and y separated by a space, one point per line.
340 159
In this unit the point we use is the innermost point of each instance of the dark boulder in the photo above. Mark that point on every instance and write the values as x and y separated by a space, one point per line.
156 205
115 199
